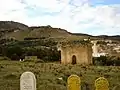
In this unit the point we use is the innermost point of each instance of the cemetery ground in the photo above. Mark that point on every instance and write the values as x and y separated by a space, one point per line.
53 76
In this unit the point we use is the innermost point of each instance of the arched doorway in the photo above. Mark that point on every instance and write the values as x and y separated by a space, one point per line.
73 59
59 55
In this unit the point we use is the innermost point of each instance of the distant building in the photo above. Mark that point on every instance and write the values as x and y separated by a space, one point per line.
96 53
95 49
31 58
75 52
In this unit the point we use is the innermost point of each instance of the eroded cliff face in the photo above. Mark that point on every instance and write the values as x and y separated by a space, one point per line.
76 53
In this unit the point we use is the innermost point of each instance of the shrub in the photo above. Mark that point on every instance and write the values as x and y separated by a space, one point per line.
10 76
99 60
104 60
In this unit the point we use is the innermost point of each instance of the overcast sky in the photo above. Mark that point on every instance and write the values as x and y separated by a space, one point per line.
93 17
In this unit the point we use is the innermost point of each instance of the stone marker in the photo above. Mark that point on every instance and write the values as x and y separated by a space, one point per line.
74 83
27 81
101 84
117 87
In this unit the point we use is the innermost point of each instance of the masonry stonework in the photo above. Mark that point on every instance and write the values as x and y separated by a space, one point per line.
76 53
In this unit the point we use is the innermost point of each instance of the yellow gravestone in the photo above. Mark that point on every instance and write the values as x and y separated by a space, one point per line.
101 84
74 82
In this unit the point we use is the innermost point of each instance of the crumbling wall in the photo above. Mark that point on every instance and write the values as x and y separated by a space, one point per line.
83 54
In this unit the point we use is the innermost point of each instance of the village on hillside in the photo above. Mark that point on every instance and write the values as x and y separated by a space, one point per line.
106 47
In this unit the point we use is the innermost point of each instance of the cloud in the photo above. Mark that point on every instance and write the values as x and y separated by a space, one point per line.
81 16
12 10
47 5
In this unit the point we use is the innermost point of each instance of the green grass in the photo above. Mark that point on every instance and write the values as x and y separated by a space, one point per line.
20 35
47 74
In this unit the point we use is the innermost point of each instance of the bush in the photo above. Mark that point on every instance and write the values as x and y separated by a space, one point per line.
100 60
43 49
10 76
104 60
4 58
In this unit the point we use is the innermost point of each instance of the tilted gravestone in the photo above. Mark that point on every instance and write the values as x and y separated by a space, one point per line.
27 81
74 83
101 84
117 87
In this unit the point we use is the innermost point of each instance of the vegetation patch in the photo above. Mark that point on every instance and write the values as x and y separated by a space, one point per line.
10 76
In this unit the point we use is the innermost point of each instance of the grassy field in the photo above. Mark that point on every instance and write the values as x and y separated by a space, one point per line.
47 75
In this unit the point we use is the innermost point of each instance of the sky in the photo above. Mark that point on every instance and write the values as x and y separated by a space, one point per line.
94 17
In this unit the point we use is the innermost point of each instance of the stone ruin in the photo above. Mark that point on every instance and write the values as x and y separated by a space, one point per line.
75 52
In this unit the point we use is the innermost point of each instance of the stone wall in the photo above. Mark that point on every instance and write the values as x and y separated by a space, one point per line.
81 52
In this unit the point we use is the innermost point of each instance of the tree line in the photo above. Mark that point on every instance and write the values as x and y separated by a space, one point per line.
43 49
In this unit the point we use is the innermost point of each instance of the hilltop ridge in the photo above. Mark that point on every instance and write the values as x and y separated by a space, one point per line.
20 31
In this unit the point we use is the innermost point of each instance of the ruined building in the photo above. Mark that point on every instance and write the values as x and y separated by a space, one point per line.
75 52
95 49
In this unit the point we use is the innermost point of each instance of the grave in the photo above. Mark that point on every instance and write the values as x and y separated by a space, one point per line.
74 83
101 84
27 81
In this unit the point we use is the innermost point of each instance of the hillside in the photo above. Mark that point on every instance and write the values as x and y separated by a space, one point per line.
19 31
48 31
8 27
116 37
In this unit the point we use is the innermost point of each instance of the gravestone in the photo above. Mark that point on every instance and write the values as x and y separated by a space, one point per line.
117 87
101 84
74 83
27 81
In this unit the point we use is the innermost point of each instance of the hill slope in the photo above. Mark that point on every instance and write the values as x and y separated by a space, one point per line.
19 31
48 31
7 27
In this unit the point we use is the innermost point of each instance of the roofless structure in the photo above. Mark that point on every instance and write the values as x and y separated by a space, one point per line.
75 52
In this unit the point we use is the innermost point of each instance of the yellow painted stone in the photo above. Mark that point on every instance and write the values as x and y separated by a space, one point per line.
74 82
101 84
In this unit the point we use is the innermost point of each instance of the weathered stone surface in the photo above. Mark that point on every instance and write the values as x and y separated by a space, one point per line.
27 81
74 82
101 84
76 52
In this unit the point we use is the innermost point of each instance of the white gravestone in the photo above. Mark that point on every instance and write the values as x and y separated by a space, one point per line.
27 81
